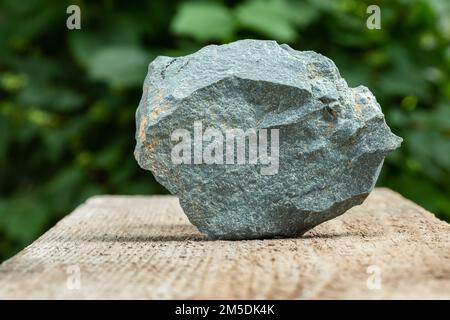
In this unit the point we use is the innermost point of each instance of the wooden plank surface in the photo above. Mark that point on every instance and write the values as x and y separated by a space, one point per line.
144 247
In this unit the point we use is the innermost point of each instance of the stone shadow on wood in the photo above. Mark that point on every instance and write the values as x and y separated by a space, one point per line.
186 232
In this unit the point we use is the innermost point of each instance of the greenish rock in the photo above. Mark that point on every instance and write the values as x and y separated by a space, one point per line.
332 139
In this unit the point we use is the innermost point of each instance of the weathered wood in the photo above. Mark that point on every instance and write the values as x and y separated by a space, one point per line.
144 247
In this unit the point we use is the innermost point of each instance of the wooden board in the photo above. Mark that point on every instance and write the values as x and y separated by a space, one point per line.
144 247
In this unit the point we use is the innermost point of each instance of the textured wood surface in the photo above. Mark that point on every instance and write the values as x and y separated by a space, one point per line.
144 247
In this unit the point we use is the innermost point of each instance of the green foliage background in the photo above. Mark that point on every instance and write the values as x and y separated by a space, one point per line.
67 98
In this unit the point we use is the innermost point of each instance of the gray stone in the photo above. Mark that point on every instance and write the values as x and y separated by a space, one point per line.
332 138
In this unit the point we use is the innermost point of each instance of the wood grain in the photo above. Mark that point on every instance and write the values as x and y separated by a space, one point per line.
128 247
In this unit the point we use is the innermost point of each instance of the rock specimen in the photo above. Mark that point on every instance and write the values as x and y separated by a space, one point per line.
259 140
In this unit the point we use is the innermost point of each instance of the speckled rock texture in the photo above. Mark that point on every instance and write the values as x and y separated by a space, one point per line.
332 138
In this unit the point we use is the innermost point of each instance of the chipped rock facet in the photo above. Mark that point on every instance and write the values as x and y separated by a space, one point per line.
313 147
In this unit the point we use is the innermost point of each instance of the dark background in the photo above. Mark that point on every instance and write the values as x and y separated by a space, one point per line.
68 97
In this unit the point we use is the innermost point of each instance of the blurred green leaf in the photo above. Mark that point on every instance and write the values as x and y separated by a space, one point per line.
22 218
271 18
51 97
203 21
432 145
120 67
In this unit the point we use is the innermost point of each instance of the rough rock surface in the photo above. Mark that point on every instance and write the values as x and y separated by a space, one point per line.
332 138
